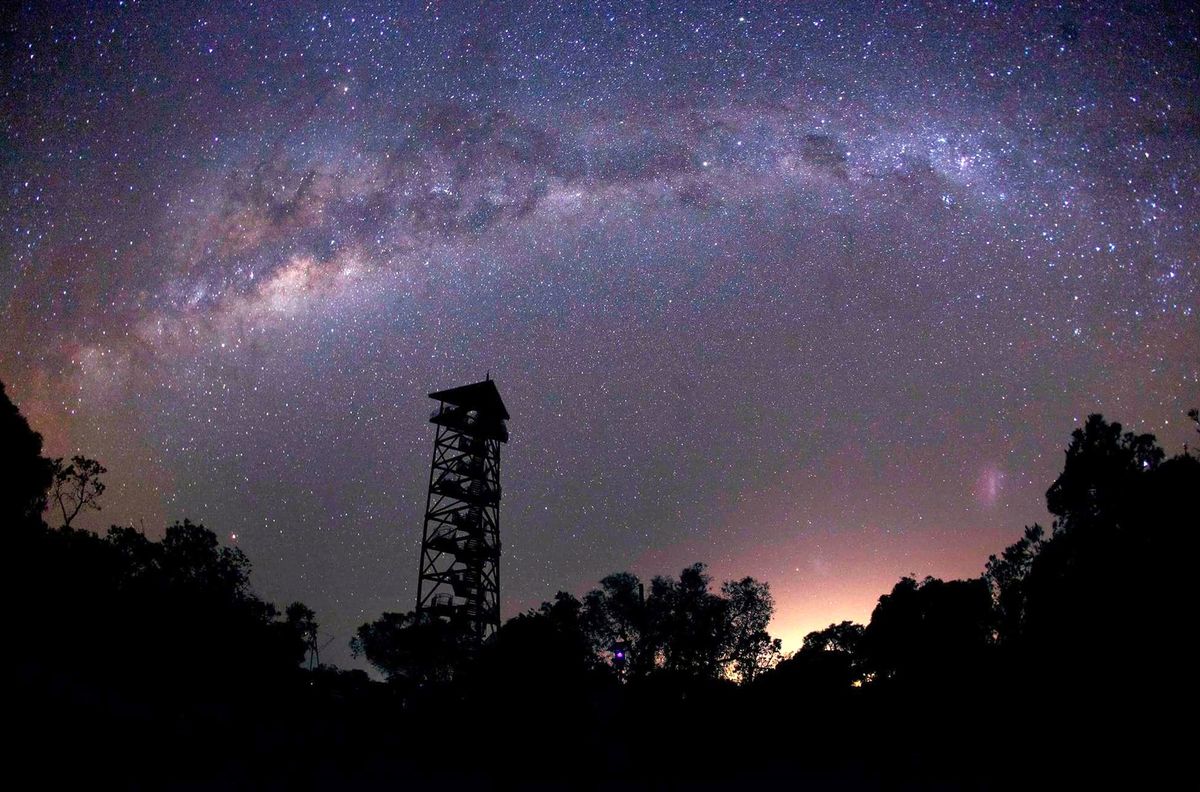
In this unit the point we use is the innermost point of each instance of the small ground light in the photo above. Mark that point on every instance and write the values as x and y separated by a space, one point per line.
619 650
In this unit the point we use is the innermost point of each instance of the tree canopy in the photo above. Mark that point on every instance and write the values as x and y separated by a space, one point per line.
162 644
26 474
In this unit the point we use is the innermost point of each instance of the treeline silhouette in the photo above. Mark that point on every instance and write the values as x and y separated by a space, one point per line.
152 663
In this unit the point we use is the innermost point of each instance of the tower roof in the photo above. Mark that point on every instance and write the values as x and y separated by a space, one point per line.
482 396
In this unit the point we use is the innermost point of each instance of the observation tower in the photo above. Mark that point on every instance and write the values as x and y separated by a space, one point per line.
459 579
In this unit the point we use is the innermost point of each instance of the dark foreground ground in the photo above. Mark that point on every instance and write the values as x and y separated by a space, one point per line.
344 732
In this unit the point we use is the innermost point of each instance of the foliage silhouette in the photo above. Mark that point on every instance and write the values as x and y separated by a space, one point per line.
153 663
928 632
411 648
1006 575
616 613
690 622
844 637
750 648
76 486
25 474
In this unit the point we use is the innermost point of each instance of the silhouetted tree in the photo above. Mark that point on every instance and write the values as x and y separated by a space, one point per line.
750 648
1006 574
825 668
614 613
1103 471
564 618
682 626
411 647
162 644
303 622
150 612
546 646
193 560
928 632
138 556
199 592
25 475
76 486
1115 561
841 637
689 622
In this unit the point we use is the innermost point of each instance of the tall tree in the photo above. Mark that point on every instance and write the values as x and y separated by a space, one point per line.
929 632
826 666
540 648
25 475
192 559
76 487
1007 575
302 620
750 648
689 622
615 614
841 637
1119 552
411 647
1104 469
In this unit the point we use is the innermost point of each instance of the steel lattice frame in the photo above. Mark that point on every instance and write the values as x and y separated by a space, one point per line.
459 577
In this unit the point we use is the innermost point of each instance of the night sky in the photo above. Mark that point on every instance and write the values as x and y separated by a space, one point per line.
813 292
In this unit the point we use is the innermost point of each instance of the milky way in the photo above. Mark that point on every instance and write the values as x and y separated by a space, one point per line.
813 293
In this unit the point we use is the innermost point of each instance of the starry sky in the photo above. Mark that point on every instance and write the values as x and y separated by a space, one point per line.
813 292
